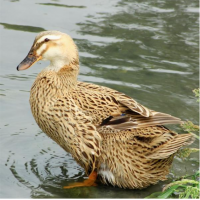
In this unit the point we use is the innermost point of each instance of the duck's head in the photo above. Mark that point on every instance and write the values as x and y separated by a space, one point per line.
57 47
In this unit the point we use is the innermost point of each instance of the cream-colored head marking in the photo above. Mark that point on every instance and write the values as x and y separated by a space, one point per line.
50 37
57 47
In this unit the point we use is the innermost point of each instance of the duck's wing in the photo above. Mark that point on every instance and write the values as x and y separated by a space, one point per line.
130 113
79 135
135 121
125 101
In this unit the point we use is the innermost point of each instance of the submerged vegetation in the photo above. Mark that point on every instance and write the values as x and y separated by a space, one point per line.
186 186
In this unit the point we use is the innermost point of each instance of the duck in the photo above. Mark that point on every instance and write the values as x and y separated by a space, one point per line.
117 141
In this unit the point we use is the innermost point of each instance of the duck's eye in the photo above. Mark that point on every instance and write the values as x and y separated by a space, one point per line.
46 39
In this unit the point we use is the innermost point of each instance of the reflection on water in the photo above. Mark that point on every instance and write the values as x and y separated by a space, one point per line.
61 5
22 28
147 50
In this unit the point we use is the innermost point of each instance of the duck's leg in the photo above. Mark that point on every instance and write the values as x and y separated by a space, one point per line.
86 183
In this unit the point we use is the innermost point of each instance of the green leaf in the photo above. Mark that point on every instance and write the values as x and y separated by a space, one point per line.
162 195
168 192
153 195
196 174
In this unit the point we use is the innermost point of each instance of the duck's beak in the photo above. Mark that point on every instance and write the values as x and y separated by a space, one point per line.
28 61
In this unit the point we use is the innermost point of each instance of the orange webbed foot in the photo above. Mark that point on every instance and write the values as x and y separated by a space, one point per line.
86 183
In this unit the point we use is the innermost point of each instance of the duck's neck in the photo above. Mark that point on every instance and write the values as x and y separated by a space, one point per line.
68 76
66 72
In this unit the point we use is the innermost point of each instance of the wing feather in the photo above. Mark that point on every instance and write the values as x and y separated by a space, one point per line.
134 114
121 98
172 146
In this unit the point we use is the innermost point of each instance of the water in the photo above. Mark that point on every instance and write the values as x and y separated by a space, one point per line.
148 50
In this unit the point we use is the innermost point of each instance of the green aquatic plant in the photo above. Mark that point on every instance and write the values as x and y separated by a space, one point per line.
190 127
184 153
196 92
187 186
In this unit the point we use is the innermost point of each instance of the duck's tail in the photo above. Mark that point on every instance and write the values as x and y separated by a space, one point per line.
172 146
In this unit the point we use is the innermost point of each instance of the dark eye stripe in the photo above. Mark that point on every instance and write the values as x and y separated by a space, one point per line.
38 45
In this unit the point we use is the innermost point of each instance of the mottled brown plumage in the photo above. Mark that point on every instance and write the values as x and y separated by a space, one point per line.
104 130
